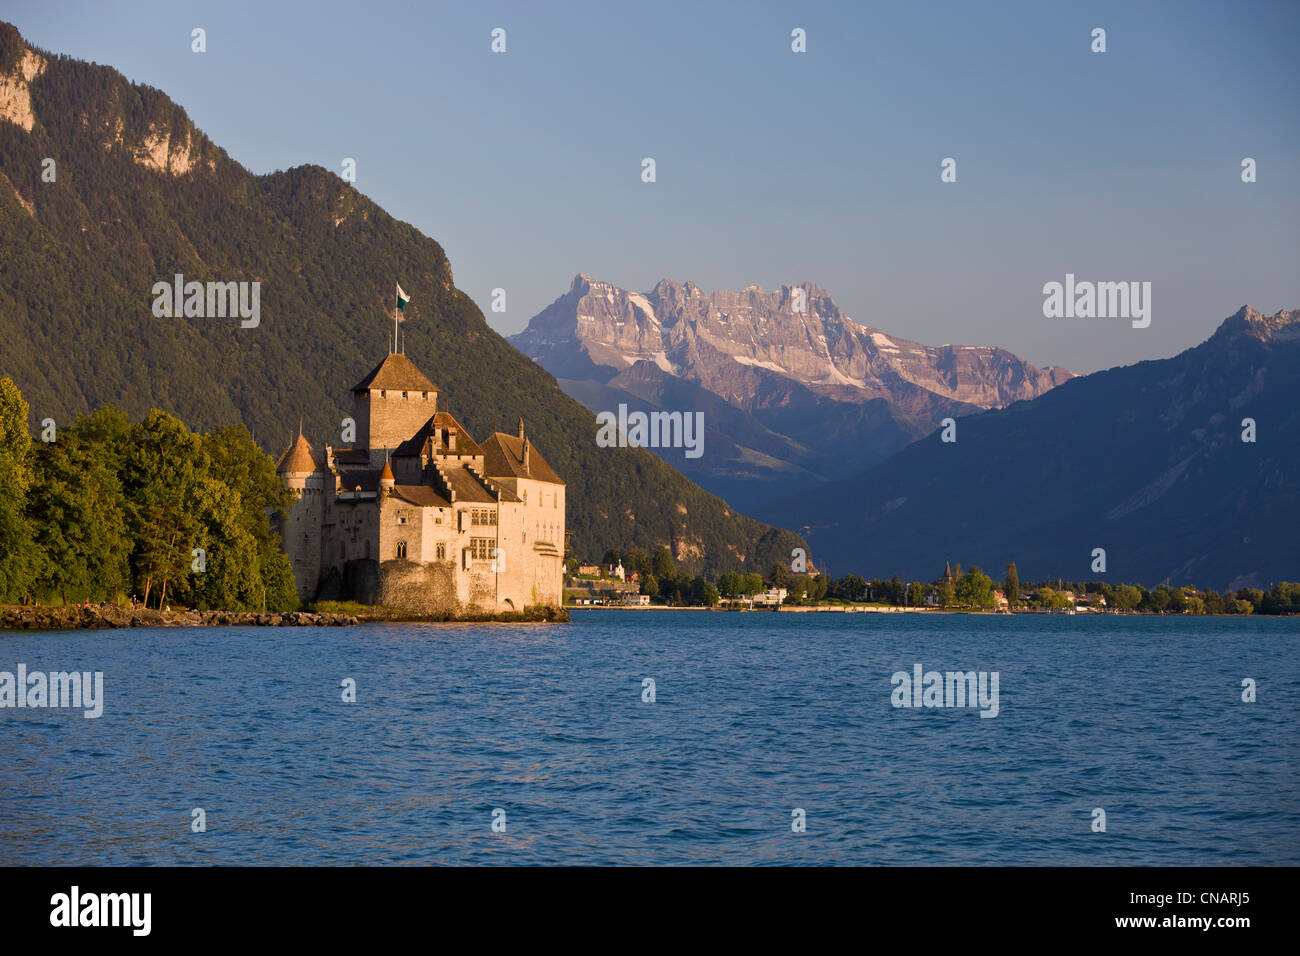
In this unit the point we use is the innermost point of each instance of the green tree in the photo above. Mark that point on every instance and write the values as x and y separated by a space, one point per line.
779 575
635 559
916 594
947 594
1126 597
975 589
650 586
752 584
664 566
20 561
798 589
78 510
1011 586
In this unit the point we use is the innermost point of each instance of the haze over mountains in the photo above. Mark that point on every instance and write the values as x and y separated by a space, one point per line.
1146 461
793 390
140 195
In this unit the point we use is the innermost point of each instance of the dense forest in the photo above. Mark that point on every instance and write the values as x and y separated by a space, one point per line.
139 195
102 509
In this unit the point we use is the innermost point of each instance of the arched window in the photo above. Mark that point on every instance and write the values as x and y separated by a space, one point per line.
401 549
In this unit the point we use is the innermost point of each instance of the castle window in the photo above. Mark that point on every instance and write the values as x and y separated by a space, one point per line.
481 548
383 393
442 551
525 497
401 520
401 549
425 396
403 395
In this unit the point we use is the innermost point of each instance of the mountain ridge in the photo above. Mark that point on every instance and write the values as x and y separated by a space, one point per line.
840 394
1146 461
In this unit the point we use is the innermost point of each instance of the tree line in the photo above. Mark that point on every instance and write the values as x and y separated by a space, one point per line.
103 509
956 589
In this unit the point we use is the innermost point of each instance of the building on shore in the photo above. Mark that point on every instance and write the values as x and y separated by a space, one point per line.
417 514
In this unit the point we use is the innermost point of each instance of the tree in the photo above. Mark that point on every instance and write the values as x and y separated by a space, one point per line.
798 589
637 560
1052 600
78 511
752 584
650 586
916 594
1011 587
779 575
664 566
947 594
1127 597
20 561
975 589
730 585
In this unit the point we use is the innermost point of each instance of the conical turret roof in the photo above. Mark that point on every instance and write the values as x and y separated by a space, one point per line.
299 459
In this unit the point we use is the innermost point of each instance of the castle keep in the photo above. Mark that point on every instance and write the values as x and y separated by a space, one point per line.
417 514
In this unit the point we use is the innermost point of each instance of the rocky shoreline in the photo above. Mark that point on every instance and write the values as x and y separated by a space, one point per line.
41 618
66 618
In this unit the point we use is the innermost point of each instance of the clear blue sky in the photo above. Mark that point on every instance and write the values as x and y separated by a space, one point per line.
776 167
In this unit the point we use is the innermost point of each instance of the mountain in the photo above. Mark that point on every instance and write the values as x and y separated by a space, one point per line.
1145 461
140 195
812 394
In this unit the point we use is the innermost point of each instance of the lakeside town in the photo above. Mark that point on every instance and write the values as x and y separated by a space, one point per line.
635 580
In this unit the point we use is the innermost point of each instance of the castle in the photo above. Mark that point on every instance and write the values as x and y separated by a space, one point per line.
417 515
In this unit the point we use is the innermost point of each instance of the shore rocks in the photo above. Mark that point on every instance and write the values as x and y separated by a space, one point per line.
19 618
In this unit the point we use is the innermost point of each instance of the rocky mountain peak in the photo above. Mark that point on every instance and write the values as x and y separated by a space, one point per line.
1282 326
736 343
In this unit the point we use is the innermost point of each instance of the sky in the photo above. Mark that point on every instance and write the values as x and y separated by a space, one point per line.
773 166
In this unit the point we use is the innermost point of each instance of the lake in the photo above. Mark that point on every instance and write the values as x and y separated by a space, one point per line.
755 716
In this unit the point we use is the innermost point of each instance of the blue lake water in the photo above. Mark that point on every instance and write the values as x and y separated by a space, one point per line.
755 715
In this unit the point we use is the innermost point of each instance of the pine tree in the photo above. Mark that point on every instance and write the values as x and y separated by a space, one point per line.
1012 585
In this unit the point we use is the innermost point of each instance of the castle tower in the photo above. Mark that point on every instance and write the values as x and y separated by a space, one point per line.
300 528
390 405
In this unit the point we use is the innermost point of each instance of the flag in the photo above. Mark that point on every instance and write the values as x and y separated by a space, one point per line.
402 299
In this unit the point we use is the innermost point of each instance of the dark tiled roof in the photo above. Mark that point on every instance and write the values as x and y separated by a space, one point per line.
351 456
396 372
421 495
299 458
506 494
503 457
367 478
443 421
413 446
464 484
